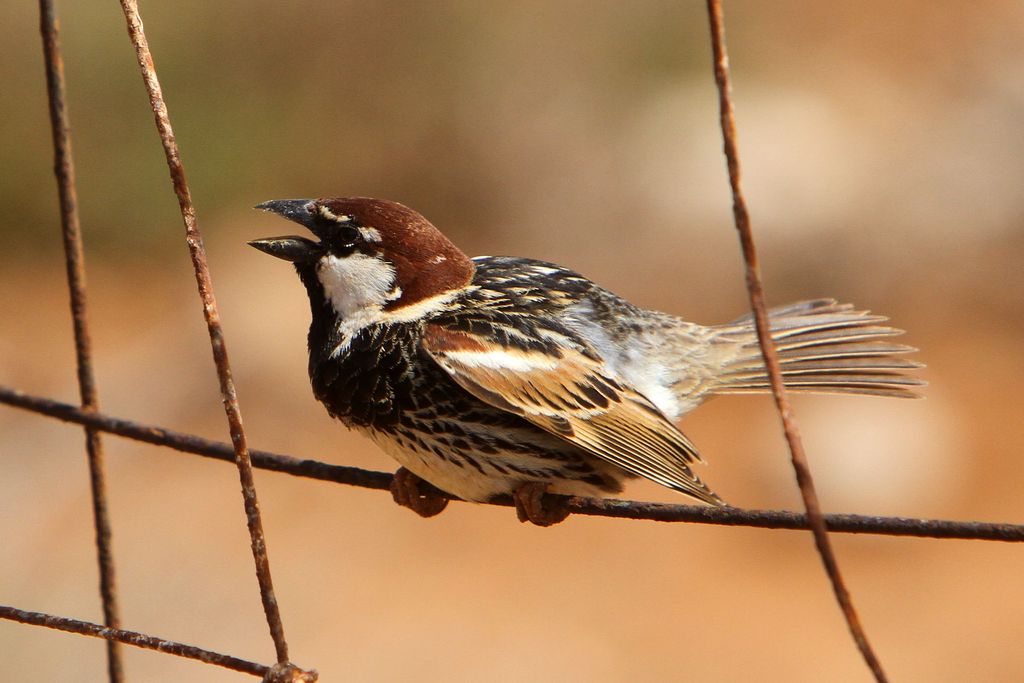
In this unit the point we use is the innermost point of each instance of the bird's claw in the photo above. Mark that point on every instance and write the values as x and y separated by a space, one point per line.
530 506
405 489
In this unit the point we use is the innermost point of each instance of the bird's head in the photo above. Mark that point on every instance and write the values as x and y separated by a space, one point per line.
370 254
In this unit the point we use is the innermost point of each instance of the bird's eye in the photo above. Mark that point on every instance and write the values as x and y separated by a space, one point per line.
347 235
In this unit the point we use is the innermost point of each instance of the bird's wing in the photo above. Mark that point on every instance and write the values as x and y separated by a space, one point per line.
571 394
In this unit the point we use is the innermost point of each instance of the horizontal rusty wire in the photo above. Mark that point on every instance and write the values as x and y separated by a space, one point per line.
755 290
269 674
621 509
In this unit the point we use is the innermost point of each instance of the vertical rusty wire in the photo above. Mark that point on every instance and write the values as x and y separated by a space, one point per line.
197 252
756 292
64 169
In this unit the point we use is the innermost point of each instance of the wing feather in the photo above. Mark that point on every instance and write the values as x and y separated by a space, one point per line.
570 393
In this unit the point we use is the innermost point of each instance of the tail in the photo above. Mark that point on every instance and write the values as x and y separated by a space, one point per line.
823 347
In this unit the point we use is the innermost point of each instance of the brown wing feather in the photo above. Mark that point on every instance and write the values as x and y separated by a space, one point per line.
574 398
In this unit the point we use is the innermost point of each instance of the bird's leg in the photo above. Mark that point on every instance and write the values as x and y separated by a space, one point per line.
529 500
405 489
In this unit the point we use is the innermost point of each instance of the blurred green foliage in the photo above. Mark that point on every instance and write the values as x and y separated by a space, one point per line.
397 99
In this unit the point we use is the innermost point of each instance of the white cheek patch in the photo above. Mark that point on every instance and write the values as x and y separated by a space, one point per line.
357 284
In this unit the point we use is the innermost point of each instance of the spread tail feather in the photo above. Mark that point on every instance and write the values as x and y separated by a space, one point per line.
823 347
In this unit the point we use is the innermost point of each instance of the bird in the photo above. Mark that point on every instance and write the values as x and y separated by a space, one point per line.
502 376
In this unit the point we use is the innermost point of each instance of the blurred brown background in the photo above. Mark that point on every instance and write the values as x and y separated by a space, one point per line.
884 159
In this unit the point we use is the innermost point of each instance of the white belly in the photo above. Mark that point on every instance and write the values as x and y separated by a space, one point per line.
467 481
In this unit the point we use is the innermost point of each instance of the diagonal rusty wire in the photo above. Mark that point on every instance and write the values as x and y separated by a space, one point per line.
756 291
118 636
621 509
197 251
74 258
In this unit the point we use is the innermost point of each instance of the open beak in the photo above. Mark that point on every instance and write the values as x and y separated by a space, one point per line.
291 247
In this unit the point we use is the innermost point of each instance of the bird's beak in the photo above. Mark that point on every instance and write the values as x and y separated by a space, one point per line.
297 210
290 248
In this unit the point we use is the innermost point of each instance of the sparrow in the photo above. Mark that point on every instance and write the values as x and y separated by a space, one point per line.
498 375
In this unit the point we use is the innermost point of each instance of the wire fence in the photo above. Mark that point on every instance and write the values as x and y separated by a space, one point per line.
94 422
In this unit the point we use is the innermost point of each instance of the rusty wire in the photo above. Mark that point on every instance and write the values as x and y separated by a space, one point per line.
771 360
622 509
74 259
197 252
117 635
278 673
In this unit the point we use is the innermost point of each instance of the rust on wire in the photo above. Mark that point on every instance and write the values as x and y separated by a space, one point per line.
74 259
621 509
148 642
197 251
756 291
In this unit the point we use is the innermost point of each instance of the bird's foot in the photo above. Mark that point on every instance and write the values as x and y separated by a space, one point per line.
405 489
530 506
